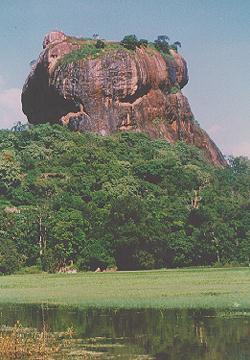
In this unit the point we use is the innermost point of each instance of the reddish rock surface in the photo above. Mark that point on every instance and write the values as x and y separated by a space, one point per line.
119 90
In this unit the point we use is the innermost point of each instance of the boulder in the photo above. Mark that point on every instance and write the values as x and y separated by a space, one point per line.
113 89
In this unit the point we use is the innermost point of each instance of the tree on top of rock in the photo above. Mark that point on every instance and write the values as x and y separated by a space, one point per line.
162 43
129 42
175 46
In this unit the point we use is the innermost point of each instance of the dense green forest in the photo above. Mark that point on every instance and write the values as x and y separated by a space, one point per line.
123 200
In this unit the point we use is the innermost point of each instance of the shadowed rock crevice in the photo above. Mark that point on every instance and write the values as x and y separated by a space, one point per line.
46 104
113 91
139 93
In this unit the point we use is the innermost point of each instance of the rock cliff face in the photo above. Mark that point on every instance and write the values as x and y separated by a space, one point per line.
113 89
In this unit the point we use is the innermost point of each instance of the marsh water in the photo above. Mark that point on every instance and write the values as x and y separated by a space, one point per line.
143 334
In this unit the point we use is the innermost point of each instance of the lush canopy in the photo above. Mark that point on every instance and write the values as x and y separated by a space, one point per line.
122 200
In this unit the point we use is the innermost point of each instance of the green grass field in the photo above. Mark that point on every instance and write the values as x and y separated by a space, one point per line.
181 288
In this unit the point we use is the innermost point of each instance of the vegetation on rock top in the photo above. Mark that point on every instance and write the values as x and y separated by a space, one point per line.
89 50
92 49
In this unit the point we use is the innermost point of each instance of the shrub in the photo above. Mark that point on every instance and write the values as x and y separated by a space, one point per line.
100 44
10 260
175 89
49 263
86 51
161 43
94 255
10 172
130 42
145 260
143 42
34 269
175 45
157 121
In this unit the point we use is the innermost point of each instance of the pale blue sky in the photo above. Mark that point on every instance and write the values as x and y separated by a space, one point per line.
215 37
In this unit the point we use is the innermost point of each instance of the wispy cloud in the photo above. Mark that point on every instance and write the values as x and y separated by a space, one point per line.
242 148
214 129
10 106
1 81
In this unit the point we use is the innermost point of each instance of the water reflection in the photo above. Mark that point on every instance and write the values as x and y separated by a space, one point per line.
161 334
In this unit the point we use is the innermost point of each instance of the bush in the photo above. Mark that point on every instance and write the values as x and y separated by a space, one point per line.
93 256
175 46
164 47
35 269
143 42
100 44
49 263
85 52
10 172
145 260
175 89
130 42
161 43
230 264
10 260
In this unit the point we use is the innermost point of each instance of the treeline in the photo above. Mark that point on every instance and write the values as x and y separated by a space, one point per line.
123 200
161 44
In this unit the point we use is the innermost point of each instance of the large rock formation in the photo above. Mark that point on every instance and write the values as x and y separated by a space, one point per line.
113 89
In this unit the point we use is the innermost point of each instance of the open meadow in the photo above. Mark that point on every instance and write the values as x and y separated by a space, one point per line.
208 288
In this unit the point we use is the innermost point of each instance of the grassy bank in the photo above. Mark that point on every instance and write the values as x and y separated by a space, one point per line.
185 288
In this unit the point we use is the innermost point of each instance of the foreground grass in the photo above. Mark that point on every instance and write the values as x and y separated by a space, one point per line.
185 288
